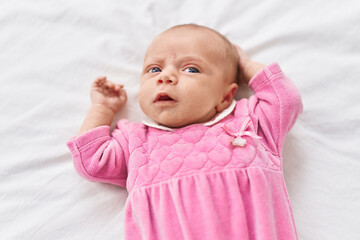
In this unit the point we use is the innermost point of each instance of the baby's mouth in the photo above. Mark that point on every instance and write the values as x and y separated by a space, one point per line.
163 97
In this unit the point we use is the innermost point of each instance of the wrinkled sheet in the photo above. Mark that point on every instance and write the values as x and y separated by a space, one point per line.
50 51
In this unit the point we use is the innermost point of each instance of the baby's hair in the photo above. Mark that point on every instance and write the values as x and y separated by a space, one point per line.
230 52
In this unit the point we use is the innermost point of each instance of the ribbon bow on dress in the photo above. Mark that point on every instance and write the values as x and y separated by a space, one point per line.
238 140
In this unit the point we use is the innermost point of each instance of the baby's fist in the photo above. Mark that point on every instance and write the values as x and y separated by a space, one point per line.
248 68
108 94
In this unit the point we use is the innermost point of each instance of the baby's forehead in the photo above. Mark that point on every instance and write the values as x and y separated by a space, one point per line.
200 33
181 38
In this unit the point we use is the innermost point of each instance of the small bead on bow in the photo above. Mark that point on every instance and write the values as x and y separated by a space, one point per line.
238 140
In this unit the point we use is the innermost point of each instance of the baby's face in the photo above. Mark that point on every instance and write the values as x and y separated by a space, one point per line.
183 76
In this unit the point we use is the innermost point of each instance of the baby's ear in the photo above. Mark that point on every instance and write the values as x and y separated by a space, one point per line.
228 97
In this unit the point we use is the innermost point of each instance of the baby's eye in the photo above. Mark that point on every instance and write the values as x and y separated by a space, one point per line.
154 69
191 70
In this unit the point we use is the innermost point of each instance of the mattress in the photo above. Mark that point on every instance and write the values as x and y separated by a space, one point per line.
50 52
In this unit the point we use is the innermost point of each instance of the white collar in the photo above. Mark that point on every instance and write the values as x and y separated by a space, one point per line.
218 118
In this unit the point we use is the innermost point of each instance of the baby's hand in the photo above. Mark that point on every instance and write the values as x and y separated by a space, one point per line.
248 68
108 94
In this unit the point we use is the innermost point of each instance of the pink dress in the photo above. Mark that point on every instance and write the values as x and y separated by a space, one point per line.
219 180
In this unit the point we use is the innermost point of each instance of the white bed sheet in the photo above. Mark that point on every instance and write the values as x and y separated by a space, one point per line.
50 51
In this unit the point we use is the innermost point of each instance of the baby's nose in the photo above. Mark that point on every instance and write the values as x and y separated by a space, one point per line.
166 81
169 75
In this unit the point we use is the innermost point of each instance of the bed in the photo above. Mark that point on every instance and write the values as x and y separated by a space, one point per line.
50 51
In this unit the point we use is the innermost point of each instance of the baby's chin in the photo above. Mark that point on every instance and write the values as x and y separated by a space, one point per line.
172 123
176 120
177 123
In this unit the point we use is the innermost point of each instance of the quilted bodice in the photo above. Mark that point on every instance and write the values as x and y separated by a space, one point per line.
158 155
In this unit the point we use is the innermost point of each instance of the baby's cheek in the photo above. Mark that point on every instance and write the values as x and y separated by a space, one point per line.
144 104
144 94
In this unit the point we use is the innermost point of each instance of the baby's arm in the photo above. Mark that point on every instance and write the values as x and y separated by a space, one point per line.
276 102
107 98
99 155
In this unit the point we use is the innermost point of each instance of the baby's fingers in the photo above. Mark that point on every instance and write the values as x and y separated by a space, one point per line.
101 84
118 87
109 85
123 96
242 55
113 87
99 81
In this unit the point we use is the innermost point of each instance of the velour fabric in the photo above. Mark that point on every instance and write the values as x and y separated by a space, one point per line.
193 182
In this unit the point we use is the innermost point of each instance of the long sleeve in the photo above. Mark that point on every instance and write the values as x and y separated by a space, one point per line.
99 156
276 105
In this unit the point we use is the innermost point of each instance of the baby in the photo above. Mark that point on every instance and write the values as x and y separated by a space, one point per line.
206 166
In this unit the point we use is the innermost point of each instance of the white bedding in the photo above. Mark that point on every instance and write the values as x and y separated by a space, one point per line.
50 51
